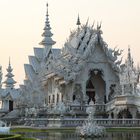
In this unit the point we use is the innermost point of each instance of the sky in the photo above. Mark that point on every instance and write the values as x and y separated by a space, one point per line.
22 23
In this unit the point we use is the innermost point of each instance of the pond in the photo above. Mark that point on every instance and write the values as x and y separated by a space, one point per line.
133 135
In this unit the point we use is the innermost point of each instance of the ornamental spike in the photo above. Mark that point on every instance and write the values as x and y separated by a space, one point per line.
78 21
47 34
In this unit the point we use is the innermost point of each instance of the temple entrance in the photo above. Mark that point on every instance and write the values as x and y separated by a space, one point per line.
10 105
90 91
95 88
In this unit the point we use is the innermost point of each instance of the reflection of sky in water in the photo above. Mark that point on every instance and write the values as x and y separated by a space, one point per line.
73 136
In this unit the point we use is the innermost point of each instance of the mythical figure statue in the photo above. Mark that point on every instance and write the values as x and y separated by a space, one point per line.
90 128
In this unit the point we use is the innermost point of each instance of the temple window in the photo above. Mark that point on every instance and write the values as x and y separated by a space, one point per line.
53 98
49 99
74 97
57 98
62 98
45 102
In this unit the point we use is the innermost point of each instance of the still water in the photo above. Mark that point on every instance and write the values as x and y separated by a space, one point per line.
73 136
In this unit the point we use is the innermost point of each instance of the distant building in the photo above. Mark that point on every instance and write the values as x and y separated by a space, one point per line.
9 95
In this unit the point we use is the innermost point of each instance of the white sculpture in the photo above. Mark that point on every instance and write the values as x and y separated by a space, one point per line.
4 129
60 108
31 112
90 128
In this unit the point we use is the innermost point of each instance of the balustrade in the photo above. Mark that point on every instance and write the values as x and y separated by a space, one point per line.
99 107
74 122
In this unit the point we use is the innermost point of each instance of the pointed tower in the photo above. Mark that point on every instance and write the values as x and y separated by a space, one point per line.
129 75
9 82
78 23
47 34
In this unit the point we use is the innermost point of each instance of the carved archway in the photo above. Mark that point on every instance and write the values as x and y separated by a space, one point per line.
95 87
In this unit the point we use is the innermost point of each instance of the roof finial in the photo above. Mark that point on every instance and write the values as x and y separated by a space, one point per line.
47 8
9 61
130 59
93 24
99 25
87 21
128 48
129 52
78 22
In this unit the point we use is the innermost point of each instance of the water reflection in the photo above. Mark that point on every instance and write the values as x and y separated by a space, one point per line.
73 136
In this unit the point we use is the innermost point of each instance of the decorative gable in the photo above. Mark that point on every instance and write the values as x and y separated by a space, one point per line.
8 96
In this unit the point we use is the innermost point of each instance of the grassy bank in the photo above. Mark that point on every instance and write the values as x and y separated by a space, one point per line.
42 130
10 137
69 129
123 129
13 137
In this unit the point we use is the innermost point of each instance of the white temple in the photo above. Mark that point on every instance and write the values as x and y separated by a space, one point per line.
84 70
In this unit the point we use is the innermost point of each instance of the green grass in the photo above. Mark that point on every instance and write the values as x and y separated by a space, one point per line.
26 130
28 139
63 130
13 137
122 129
42 130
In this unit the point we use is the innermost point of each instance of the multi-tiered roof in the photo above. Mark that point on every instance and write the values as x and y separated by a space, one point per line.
9 82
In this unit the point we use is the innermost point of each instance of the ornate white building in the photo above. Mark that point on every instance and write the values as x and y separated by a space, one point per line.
85 69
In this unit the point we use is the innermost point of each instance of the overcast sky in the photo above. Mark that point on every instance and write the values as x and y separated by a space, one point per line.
22 23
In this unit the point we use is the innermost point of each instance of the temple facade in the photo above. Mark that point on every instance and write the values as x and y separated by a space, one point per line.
65 81
85 70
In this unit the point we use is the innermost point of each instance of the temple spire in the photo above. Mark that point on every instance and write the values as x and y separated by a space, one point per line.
78 22
9 82
47 34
